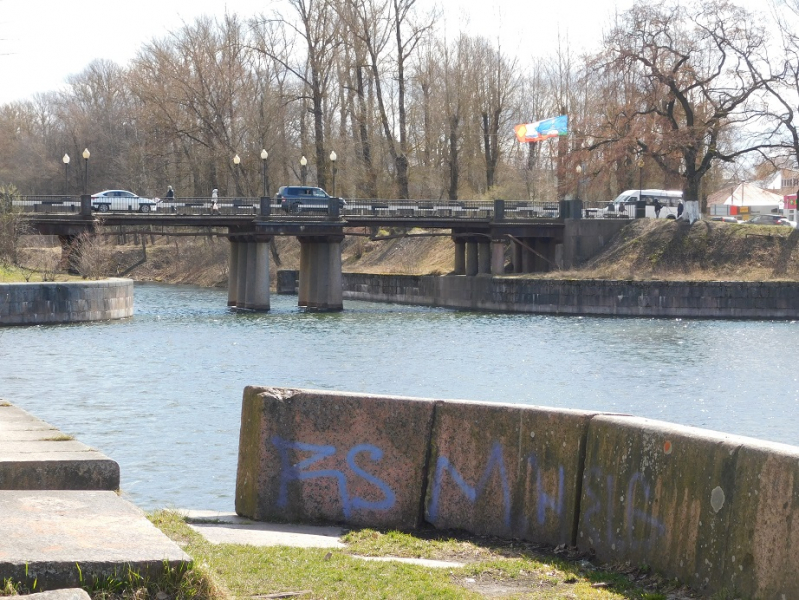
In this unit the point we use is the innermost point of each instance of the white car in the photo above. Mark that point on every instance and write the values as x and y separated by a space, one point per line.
121 200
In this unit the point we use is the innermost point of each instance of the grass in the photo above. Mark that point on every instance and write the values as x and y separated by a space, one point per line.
63 437
493 568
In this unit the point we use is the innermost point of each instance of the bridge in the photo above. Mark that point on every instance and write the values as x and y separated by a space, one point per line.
535 233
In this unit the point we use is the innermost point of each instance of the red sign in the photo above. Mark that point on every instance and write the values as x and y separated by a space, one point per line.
790 201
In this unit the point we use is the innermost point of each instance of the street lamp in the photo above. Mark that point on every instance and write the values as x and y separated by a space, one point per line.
264 156
333 158
86 155
237 162
640 183
65 160
303 170
579 170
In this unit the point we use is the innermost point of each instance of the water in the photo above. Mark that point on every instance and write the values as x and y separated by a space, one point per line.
161 393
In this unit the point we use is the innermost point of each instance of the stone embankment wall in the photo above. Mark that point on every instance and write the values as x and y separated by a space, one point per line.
687 299
707 299
68 302
717 511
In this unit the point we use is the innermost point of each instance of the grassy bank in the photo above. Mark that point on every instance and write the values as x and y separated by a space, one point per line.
492 569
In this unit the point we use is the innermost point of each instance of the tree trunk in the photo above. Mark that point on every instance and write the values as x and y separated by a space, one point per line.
453 157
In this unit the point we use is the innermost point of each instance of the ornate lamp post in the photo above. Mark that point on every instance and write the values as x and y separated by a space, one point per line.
303 170
264 156
266 203
65 160
333 158
86 155
237 168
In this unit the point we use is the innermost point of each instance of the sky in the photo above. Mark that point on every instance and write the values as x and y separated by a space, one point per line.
43 42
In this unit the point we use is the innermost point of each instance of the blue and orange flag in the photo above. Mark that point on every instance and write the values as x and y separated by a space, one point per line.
542 130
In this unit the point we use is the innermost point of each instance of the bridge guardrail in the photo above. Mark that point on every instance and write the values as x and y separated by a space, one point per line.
390 208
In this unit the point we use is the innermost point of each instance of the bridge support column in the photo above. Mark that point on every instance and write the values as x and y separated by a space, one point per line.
528 258
241 277
305 267
69 244
249 285
518 257
320 273
484 258
258 276
460 258
471 259
497 257
233 273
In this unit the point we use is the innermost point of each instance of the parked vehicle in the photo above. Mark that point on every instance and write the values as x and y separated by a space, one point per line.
624 204
121 200
769 219
297 198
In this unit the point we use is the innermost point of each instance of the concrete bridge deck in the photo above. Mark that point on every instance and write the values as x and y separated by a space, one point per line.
62 522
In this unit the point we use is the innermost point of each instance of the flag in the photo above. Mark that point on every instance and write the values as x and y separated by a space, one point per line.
542 130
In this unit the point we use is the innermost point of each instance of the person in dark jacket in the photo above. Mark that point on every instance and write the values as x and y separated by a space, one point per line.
170 193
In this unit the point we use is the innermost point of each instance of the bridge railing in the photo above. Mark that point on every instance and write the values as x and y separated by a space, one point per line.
48 204
463 209
232 205
378 207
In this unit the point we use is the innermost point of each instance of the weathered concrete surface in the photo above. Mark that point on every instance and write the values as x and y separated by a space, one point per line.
65 538
65 302
506 470
762 559
309 456
699 299
36 456
65 594
230 528
713 510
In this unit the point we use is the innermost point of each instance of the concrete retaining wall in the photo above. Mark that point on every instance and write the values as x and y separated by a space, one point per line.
68 302
713 299
715 511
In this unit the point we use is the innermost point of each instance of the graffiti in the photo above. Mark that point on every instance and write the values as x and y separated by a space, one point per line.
495 462
638 493
544 500
299 472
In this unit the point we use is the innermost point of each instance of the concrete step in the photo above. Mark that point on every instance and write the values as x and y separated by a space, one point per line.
71 538
36 456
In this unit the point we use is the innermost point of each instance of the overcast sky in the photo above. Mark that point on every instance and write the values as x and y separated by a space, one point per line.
43 42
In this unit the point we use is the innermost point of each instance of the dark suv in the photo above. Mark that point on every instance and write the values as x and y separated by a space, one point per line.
297 198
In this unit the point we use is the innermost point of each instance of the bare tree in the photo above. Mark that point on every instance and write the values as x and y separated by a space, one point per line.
692 83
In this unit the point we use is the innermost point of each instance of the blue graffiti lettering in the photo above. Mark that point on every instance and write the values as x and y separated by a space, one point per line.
637 481
495 462
297 472
546 501
376 454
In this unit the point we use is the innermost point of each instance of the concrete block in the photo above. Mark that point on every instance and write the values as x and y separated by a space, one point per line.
35 456
506 470
71 538
307 456
762 559
652 494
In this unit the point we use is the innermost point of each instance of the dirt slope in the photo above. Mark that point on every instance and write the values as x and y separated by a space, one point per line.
646 249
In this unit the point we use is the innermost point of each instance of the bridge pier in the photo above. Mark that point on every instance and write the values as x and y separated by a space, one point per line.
460 257
484 258
69 244
248 274
497 257
233 273
320 273
472 266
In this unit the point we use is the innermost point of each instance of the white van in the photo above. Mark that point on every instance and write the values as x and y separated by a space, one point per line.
624 204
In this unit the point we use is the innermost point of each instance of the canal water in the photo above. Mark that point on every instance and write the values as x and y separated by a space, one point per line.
160 393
